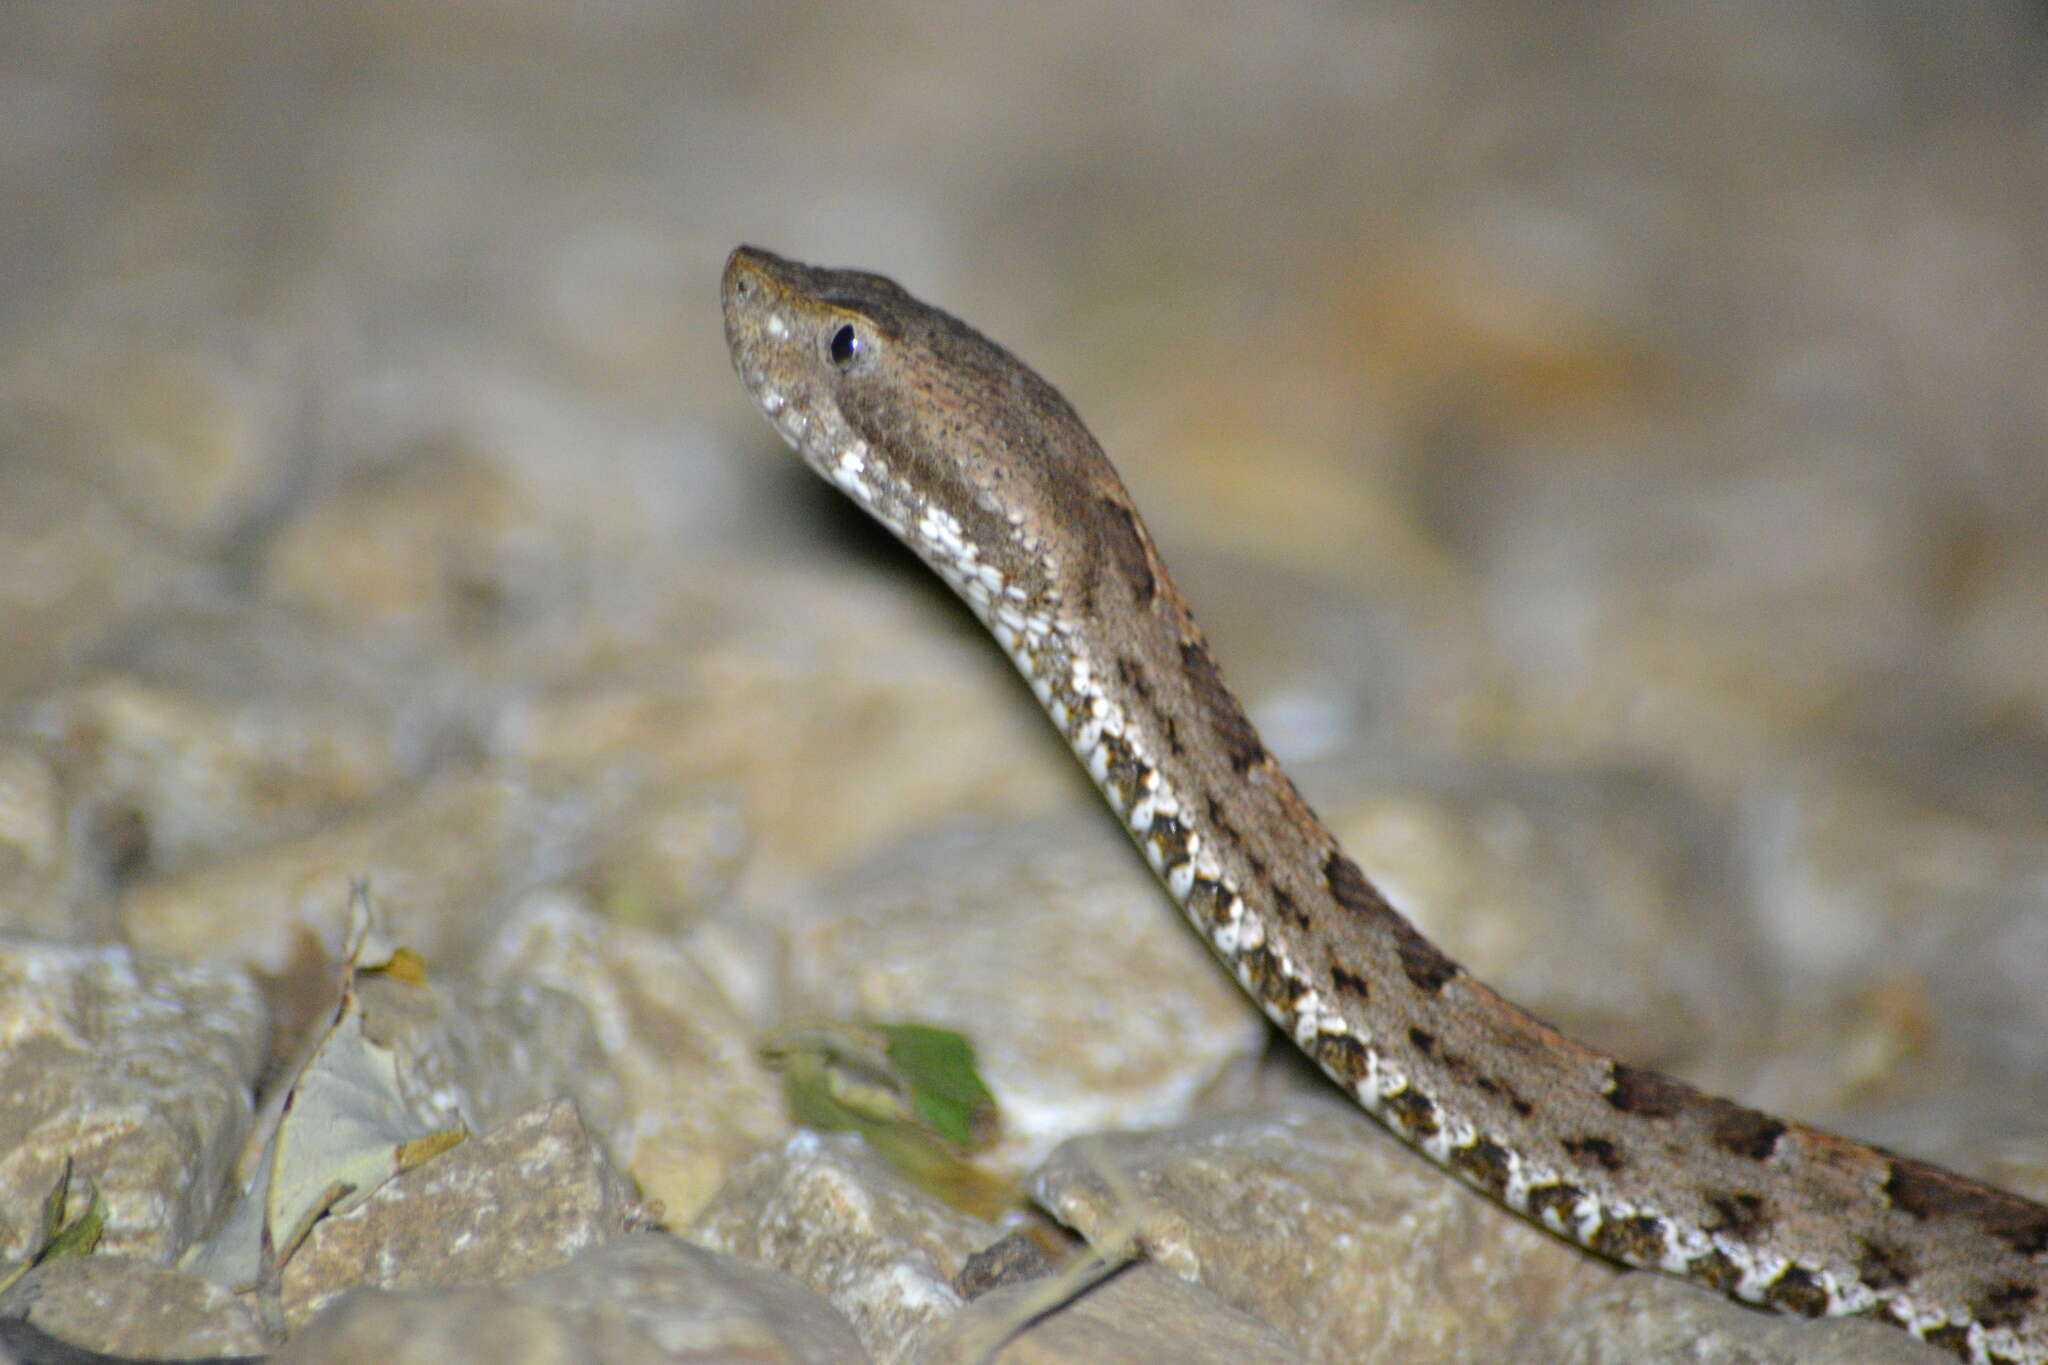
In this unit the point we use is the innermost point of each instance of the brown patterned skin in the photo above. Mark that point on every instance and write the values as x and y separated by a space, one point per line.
984 470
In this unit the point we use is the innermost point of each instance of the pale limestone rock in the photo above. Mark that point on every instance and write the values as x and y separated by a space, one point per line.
679 1050
128 1307
74 568
825 1210
435 856
1141 1315
481 1053
44 891
794 687
1655 1320
456 1327
642 1299
523 1197
672 1289
1313 1220
1000 933
678 852
433 544
186 437
198 775
138 1071
31 814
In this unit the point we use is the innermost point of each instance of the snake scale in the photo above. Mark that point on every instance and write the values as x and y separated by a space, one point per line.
983 469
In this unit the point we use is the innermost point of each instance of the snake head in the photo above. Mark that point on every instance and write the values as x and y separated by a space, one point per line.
950 441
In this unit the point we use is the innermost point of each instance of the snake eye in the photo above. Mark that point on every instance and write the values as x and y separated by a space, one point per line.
845 345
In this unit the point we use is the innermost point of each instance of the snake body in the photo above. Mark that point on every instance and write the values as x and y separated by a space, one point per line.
983 469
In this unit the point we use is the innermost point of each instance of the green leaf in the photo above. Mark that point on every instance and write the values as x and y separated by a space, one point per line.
61 1233
945 1089
909 1090
81 1235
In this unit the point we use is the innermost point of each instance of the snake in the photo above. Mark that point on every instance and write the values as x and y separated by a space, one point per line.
988 475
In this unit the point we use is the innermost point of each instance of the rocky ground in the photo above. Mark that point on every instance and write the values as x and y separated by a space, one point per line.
1604 442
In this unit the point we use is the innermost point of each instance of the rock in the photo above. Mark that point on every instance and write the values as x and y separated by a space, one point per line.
435 544
678 1024
127 1307
456 1327
488 1051
523 1197
436 856
824 1210
44 892
644 1299
1138 1315
136 1071
677 853
1311 1219
999 933
1480 413
1655 1320
190 775
186 437
1014 1260
31 818
1374 631
74 569
794 688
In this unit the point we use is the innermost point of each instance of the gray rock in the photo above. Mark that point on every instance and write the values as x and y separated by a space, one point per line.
1479 409
484 1052
437 856
524 1197
74 569
1313 1220
692 1098
677 853
196 773
185 435
45 892
455 1326
1140 1315
645 1299
827 1212
432 545
2002 638
790 687
135 1070
123 1306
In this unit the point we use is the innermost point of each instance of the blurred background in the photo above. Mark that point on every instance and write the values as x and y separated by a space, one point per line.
1644 399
